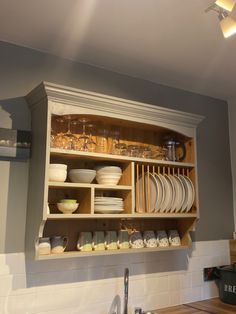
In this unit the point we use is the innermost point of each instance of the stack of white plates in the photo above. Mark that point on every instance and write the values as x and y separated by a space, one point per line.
165 193
108 205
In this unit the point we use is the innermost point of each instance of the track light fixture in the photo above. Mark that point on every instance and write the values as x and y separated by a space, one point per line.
227 5
227 24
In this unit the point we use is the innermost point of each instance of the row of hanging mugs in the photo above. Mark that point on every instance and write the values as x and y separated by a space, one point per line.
84 135
123 239
110 240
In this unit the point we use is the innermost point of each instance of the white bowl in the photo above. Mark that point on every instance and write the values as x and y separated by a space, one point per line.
108 175
58 166
58 175
67 208
82 175
108 169
108 181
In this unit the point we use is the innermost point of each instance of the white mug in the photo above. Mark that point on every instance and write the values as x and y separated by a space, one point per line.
111 240
44 246
85 241
98 241
150 239
174 238
58 244
123 239
162 238
136 240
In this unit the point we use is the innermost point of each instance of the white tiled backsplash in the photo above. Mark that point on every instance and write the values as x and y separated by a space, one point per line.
94 285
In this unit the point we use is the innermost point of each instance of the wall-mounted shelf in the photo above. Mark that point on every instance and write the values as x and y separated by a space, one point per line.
139 124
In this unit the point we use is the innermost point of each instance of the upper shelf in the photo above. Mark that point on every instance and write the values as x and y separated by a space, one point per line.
122 159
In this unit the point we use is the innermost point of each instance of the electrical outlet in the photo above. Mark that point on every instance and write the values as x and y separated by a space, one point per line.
210 273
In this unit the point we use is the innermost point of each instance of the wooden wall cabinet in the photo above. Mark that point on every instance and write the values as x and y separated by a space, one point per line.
138 123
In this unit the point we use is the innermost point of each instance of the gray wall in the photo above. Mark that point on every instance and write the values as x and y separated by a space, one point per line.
22 69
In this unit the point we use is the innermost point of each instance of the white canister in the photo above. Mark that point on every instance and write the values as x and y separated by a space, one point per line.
44 246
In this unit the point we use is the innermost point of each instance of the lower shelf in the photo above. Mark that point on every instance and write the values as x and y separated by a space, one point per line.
73 254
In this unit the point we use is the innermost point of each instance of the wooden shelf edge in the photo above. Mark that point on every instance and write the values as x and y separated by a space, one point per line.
75 254
120 216
89 186
119 158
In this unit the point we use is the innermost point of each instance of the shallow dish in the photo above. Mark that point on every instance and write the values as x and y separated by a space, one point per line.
67 208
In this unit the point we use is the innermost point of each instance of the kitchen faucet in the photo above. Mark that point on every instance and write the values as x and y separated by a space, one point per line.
126 290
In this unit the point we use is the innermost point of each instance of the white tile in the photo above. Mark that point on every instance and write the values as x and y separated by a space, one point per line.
21 304
197 278
175 298
16 263
58 311
191 294
194 264
185 280
5 285
4 270
3 305
156 284
174 282
2 259
210 290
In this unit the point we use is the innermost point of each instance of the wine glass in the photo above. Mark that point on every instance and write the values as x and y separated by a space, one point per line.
70 138
91 143
84 137
57 138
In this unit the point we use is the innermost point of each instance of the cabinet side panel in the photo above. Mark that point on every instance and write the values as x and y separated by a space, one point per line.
37 186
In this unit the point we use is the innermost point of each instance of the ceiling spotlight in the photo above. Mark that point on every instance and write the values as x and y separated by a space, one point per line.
226 4
227 24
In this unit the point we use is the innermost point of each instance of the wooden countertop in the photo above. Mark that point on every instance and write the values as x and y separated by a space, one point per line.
212 306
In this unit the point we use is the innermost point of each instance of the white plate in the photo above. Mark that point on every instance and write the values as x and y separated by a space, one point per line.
104 198
176 193
144 193
160 193
108 211
171 194
151 193
191 193
181 192
166 193
187 193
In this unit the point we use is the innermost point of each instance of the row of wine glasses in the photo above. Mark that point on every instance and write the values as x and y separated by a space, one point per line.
69 139
83 135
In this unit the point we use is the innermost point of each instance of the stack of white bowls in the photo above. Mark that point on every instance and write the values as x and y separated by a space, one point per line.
108 175
82 175
57 172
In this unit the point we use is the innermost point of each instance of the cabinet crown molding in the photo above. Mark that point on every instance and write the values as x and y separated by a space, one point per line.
116 107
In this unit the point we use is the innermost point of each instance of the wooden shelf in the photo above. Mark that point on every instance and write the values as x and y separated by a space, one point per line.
122 159
66 185
73 254
120 216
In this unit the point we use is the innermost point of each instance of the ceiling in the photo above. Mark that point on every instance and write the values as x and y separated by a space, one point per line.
171 42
